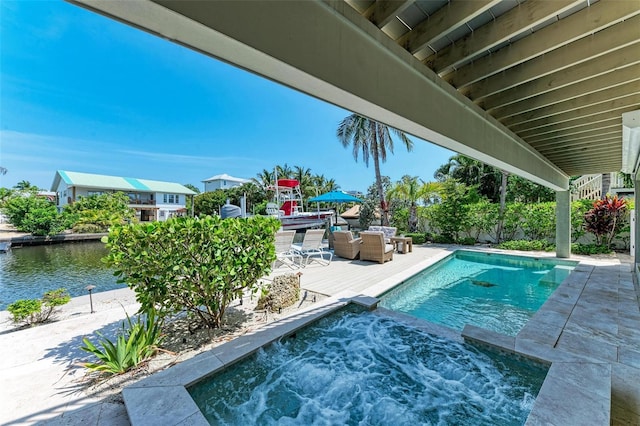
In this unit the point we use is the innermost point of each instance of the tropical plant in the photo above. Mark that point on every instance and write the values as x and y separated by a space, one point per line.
371 140
472 172
209 203
539 221
35 311
482 219
588 249
605 219
411 189
417 237
524 191
25 185
526 245
578 210
96 213
133 345
194 265
33 214
451 217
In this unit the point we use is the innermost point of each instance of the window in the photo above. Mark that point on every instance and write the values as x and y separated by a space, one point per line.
90 193
171 198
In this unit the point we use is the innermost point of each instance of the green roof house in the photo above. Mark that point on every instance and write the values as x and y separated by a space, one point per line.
152 199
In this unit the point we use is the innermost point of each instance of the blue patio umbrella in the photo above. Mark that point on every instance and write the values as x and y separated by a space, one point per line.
335 197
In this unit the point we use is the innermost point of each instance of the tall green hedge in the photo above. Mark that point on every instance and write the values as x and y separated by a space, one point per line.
193 265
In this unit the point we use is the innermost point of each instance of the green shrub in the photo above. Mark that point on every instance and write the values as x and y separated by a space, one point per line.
25 310
467 241
417 237
193 265
539 221
589 249
526 245
133 345
443 239
34 311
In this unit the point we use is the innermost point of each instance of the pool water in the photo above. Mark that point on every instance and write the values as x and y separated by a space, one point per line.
29 272
493 291
364 368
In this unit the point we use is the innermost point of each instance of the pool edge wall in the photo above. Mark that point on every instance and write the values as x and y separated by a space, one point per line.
162 398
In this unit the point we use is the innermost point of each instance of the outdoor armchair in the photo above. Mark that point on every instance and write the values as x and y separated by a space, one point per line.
374 248
344 245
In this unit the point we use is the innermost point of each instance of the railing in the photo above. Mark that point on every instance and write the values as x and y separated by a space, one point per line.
142 202
587 187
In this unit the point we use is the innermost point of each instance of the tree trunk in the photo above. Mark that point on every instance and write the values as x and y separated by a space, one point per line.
503 205
383 202
413 218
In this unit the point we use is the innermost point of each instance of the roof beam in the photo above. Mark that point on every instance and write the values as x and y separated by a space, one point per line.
616 64
328 50
553 151
585 132
629 79
608 40
593 99
517 20
572 155
442 22
630 103
590 164
574 127
381 12
580 24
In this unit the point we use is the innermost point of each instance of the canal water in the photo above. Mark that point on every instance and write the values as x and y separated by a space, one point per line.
28 272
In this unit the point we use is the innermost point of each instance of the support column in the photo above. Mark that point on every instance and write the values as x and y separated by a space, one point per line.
563 224
636 231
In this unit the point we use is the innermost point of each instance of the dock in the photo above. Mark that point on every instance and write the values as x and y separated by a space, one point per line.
31 240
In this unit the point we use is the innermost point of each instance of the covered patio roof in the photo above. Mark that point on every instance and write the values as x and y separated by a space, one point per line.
537 88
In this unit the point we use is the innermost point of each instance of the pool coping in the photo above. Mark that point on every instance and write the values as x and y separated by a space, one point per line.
577 388
162 398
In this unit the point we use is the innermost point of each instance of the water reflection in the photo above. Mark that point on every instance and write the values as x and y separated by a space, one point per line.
28 272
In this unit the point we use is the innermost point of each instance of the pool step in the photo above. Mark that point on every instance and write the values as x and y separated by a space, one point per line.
556 275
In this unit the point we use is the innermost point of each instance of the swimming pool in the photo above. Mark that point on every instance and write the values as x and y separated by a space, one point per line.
493 291
364 368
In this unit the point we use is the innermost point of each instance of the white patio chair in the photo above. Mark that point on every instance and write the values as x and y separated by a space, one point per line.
285 254
312 246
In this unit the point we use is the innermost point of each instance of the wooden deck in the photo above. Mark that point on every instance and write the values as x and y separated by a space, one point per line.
368 278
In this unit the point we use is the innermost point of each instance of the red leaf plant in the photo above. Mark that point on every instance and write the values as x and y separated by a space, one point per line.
605 219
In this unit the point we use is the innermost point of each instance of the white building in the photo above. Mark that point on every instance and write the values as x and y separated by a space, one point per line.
152 200
223 181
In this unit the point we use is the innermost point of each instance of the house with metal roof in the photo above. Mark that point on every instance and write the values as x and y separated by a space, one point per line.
151 199
223 181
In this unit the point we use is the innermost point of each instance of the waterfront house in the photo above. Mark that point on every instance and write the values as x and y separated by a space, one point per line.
223 181
151 199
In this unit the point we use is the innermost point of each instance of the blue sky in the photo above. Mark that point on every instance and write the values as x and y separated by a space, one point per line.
84 93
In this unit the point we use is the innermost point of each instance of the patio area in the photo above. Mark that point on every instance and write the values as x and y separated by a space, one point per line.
591 323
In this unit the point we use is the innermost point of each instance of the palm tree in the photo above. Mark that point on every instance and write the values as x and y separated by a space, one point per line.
264 178
472 173
412 189
25 185
372 139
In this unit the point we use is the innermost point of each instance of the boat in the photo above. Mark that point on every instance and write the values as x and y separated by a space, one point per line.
288 207
4 247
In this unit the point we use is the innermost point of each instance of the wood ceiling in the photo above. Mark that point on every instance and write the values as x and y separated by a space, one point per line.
558 73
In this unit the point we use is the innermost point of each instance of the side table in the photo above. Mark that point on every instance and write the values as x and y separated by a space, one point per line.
403 244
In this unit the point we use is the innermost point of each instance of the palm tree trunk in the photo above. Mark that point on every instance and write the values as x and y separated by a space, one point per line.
376 166
413 217
503 205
